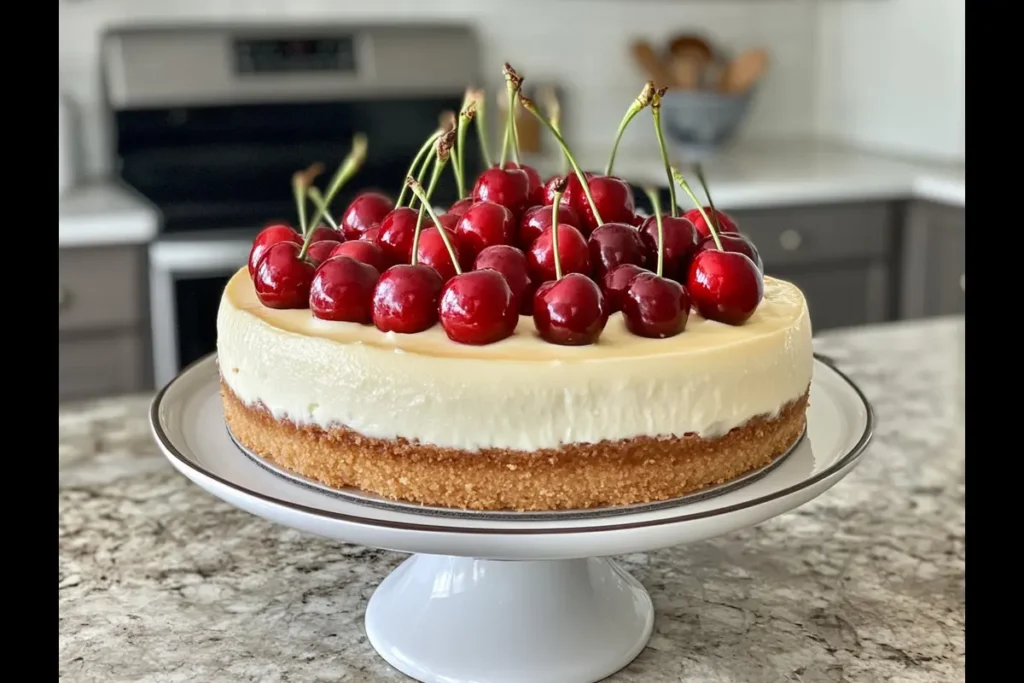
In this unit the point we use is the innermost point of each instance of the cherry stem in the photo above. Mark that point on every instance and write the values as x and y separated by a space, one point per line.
656 115
555 114
442 152
707 193
652 195
465 118
417 190
349 167
678 177
529 106
638 105
559 190
513 82
301 182
427 147
314 194
480 99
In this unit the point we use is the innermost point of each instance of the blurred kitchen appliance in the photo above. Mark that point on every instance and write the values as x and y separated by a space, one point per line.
211 122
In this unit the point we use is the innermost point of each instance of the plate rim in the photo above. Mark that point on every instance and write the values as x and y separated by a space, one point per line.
170 451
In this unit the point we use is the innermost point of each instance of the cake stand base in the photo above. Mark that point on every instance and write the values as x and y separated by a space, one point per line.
444 619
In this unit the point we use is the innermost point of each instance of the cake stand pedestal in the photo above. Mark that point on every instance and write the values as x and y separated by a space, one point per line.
444 618
507 597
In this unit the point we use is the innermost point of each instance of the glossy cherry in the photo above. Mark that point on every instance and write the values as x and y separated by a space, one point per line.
724 222
725 286
283 279
572 252
613 244
485 224
573 190
509 187
322 233
614 199
535 185
268 237
459 207
615 282
655 306
733 241
680 245
366 211
342 290
405 299
511 263
319 252
570 311
367 252
537 218
371 234
397 230
478 308
433 252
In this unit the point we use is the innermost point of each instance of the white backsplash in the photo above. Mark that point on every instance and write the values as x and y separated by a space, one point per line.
583 46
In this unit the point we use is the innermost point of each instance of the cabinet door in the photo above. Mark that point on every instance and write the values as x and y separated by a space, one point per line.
97 366
934 261
842 295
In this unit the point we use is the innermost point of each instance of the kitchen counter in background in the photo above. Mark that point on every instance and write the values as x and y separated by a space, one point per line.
753 176
159 581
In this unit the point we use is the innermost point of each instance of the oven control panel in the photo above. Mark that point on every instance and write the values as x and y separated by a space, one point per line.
295 55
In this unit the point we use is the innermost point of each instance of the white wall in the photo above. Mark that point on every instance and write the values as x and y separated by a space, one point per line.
891 75
582 45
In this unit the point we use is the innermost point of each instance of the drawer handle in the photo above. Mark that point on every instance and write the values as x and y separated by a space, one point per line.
64 299
790 240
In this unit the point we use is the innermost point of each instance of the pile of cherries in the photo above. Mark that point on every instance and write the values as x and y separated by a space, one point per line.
569 252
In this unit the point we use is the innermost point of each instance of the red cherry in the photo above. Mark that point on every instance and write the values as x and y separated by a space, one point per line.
342 290
724 222
615 282
535 185
319 252
371 235
268 237
613 197
637 221
573 189
680 245
478 308
484 224
322 232
539 217
725 286
360 250
509 187
405 299
572 251
397 230
733 241
511 263
613 244
366 211
459 207
433 252
570 311
655 306
282 278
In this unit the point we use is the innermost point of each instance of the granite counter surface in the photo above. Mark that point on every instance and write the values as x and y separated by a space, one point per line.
161 582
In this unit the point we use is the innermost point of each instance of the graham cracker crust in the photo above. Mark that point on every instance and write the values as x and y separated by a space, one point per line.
576 476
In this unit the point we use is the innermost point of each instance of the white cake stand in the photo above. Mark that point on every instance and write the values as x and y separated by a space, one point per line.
506 597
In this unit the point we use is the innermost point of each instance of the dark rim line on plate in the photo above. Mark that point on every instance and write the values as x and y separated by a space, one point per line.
356 497
847 459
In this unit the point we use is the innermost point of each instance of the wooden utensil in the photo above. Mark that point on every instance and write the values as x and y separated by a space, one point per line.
691 45
744 71
651 63
686 71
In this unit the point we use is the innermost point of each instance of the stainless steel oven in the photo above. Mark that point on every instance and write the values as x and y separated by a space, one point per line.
209 123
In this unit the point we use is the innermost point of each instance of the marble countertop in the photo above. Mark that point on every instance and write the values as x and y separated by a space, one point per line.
751 176
159 581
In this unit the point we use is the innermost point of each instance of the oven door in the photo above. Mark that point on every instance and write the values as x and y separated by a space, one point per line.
187 278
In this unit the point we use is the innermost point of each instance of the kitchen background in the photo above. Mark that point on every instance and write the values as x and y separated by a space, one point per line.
847 169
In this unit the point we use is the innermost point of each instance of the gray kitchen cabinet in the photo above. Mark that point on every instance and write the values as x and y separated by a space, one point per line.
840 255
933 276
101 322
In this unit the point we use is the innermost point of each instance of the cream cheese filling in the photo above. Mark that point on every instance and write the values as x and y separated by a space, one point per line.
522 393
